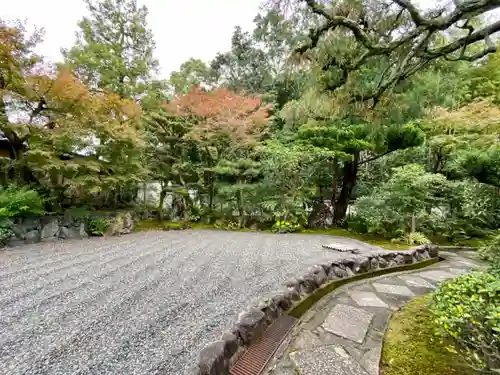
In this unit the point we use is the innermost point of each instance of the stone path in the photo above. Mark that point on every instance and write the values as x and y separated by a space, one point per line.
343 333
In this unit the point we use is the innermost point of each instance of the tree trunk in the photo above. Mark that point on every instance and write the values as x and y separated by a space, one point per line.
163 195
349 180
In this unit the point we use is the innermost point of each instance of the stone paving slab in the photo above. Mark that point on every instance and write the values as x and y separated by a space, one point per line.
393 289
367 299
436 275
416 281
327 360
348 322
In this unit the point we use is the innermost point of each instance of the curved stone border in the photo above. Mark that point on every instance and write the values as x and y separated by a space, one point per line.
345 330
297 296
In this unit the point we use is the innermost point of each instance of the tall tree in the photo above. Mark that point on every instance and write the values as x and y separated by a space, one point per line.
64 138
114 50
193 72
363 56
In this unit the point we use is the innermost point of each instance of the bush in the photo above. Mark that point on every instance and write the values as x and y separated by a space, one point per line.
17 202
20 201
491 251
285 227
99 226
466 313
415 238
5 231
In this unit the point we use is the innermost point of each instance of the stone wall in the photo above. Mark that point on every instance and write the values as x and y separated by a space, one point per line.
30 230
217 357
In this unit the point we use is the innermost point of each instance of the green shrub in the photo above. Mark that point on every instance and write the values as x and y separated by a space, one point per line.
5 231
466 313
282 226
491 251
98 226
414 238
20 201
230 225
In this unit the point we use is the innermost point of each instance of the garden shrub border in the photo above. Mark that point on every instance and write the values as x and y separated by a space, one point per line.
298 296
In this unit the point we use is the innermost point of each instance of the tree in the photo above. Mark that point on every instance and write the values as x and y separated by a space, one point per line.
68 140
114 49
193 72
363 57
220 123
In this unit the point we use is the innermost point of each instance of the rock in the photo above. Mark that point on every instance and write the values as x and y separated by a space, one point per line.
231 344
319 274
19 231
364 265
283 300
269 307
433 251
351 264
82 232
212 359
382 263
327 268
50 229
128 223
399 259
33 236
374 263
292 294
31 223
63 233
250 325
293 284
408 258
308 284
339 272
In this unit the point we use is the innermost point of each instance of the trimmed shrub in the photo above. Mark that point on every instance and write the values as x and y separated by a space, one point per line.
466 313
98 226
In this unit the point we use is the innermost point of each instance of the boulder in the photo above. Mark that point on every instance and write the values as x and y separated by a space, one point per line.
339 272
308 283
50 228
212 359
250 325
374 263
63 233
32 236
19 231
319 274
231 344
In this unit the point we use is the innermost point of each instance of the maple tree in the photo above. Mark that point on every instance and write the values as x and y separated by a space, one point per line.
222 124
67 139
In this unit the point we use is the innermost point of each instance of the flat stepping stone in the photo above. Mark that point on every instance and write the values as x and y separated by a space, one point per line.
436 275
416 281
367 299
393 289
348 322
342 248
327 360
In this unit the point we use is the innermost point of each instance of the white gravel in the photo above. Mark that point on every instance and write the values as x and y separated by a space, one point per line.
144 303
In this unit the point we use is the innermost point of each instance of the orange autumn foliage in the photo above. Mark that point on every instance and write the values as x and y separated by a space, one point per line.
221 112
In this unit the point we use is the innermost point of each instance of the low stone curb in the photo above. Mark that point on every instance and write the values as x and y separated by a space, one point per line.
219 356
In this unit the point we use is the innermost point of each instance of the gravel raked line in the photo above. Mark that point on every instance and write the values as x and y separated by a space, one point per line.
144 303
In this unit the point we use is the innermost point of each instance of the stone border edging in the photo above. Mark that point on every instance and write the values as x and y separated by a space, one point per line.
300 294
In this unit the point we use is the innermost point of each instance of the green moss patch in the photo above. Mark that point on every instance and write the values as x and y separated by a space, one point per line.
410 347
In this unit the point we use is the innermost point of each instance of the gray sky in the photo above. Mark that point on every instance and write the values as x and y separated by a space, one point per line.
182 29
